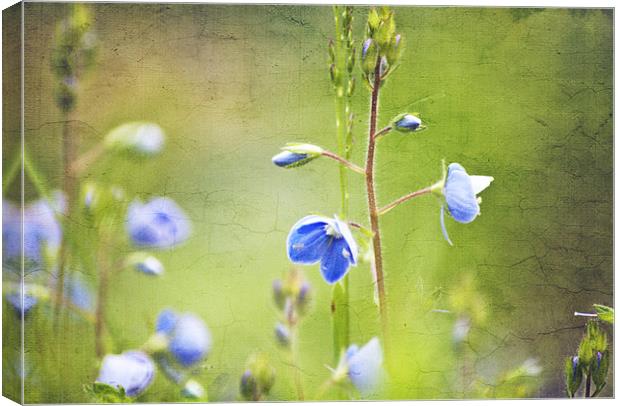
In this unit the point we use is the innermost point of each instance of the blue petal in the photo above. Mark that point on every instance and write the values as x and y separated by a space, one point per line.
191 340
344 230
166 321
336 261
133 370
15 300
365 368
160 223
443 225
308 240
460 196
351 351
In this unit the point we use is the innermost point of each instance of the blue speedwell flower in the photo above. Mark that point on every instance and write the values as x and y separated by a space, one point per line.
189 338
287 159
407 123
132 370
159 223
321 239
460 192
41 229
362 366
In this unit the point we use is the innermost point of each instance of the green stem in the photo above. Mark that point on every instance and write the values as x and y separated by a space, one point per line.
588 385
295 363
372 204
344 165
340 298
11 172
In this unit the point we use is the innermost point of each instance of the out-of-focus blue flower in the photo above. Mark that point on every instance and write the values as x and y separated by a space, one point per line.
575 367
193 390
16 301
159 223
150 266
321 239
365 47
283 334
132 370
138 137
363 367
189 337
78 292
461 329
407 123
460 192
41 229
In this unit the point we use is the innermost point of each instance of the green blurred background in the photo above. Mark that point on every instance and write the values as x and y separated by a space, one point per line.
524 95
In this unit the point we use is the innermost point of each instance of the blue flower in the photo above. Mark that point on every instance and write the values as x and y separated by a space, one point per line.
138 137
132 370
189 337
193 390
41 229
365 366
460 192
15 300
159 223
575 367
150 266
321 239
78 292
407 123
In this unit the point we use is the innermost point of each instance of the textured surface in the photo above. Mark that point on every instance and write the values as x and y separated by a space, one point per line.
522 95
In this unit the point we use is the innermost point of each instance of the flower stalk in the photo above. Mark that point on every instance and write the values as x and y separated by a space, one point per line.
372 201
403 199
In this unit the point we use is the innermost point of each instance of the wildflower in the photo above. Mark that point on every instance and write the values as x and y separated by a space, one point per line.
145 263
137 137
78 292
189 338
41 230
406 123
321 239
362 366
15 299
159 223
258 378
132 370
283 335
193 390
459 191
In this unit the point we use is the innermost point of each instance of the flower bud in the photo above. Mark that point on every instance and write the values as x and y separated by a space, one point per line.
351 87
599 369
248 386
296 154
145 139
283 335
332 51
145 263
278 295
574 375
369 56
193 390
406 123
351 61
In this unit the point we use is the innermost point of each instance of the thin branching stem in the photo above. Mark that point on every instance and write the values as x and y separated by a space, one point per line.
347 164
403 199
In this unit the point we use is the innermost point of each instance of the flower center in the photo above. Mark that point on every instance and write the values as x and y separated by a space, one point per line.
332 231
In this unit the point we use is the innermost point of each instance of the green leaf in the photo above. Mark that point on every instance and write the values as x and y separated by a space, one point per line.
605 313
104 393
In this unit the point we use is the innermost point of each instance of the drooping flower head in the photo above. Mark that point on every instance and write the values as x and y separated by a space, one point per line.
132 370
460 192
144 263
189 338
407 123
296 154
159 223
321 239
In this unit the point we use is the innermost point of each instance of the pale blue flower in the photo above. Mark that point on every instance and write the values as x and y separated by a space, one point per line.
15 300
460 192
78 292
138 137
321 239
159 223
150 266
365 366
132 370
193 390
41 229
189 338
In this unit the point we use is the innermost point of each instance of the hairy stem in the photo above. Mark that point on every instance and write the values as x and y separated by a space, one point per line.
372 201
383 131
345 164
403 199
295 363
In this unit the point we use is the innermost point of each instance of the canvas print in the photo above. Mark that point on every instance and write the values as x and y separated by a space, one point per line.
220 203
